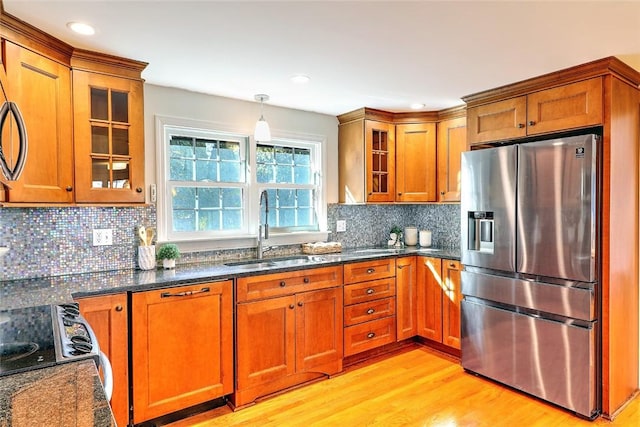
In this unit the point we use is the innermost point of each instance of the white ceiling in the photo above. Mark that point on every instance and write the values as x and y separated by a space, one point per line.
379 54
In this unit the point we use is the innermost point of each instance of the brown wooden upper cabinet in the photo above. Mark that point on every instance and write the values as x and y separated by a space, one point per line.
41 87
83 113
398 157
560 108
109 138
452 141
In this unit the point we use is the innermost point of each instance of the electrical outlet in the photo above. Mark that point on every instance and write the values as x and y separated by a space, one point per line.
341 225
102 237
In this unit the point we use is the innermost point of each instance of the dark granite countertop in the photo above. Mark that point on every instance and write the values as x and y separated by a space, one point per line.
70 394
58 289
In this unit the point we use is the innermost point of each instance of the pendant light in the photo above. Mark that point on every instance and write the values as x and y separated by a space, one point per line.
262 132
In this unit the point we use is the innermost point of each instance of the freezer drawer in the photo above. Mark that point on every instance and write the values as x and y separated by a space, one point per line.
551 360
574 300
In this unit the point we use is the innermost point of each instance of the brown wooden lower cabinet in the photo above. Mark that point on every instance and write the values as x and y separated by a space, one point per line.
108 317
289 339
182 353
406 298
438 306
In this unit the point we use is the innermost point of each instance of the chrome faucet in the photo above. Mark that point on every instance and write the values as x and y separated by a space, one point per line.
263 226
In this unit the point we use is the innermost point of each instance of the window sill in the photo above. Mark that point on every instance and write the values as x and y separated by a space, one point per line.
249 241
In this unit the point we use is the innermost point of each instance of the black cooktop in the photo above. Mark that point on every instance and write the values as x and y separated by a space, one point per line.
26 339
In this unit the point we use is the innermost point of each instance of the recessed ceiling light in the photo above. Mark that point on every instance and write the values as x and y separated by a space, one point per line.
81 28
300 79
417 106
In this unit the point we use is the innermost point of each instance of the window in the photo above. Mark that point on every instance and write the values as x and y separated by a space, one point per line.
286 172
209 182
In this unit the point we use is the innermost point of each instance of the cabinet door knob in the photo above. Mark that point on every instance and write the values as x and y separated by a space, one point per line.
442 193
282 284
532 123
370 291
300 304
371 335
305 280
291 306
138 189
371 270
520 125
399 194
371 311
118 307
69 188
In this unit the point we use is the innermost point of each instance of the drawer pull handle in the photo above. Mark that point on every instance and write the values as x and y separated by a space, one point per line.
371 335
282 284
291 306
183 294
371 311
370 291
305 280
118 307
371 270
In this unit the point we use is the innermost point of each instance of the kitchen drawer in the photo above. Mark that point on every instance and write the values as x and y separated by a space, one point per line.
366 336
370 310
369 270
368 291
279 284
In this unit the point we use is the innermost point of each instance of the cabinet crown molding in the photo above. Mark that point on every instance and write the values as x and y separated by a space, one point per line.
605 66
402 117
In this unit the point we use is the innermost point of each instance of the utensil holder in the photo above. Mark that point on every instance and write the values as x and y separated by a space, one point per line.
147 257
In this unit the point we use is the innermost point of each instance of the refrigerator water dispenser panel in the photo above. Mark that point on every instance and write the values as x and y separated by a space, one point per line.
481 231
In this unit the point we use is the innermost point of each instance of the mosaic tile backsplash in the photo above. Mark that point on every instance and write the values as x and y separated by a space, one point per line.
57 241
369 225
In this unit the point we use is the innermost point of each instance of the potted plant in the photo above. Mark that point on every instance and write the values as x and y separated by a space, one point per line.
168 253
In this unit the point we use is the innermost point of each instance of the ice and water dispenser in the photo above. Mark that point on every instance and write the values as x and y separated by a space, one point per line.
481 231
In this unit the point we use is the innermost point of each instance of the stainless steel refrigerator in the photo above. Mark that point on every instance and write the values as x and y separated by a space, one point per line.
530 227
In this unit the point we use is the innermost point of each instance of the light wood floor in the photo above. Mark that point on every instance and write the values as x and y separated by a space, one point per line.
415 388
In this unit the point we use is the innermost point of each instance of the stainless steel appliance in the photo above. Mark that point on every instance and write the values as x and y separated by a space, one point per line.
47 335
530 225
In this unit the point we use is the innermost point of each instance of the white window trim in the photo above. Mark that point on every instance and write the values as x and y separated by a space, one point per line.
237 241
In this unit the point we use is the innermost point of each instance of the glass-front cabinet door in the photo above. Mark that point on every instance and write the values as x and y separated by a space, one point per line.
109 141
380 150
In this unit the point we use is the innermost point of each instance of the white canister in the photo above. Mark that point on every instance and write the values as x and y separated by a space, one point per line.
425 238
147 257
410 236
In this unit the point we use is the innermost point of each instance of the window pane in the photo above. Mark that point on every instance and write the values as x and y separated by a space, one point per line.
302 156
232 219
284 155
231 172
229 151
265 173
209 220
207 171
181 170
302 175
265 154
232 198
184 220
305 198
208 198
286 198
184 198
287 217
284 174
206 149
306 217
181 147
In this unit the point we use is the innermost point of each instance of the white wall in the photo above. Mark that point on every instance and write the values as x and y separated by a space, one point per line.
240 116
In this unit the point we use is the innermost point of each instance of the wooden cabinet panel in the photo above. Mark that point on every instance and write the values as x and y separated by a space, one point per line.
41 88
109 138
452 141
278 284
318 329
416 162
430 298
566 107
406 298
369 335
497 121
380 161
108 317
367 291
265 340
370 310
182 347
369 270
451 303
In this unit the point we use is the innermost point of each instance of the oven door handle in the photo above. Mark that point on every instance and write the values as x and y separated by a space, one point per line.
108 375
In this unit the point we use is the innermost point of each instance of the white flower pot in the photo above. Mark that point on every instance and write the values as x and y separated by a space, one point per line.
168 264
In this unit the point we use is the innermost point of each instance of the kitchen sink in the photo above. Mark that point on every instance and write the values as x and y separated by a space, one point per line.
276 262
